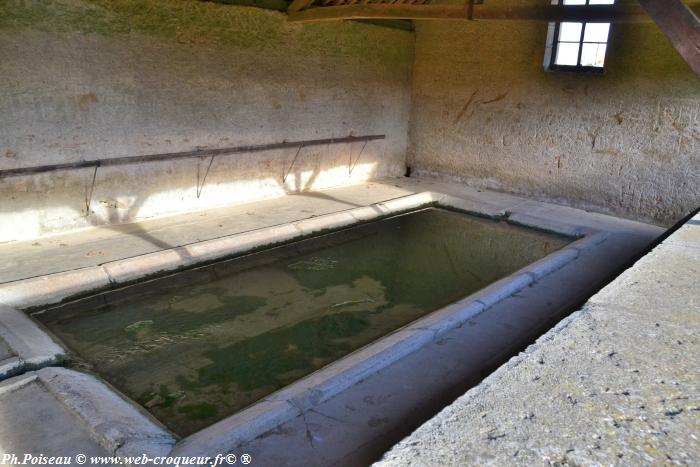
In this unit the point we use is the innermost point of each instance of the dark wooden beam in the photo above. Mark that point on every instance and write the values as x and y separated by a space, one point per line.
623 13
680 25
278 5
376 11
298 5
400 24
125 160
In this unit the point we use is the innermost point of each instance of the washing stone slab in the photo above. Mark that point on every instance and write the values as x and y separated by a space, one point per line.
23 345
60 412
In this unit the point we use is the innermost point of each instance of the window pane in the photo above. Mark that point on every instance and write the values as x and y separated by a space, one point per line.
596 32
574 2
593 55
567 54
570 32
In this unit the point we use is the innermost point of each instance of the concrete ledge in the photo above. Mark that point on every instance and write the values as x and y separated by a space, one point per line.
31 347
115 422
329 222
551 224
561 258
52 289
242 243
232 431
406 203
10 366
450 317
478 207
55 411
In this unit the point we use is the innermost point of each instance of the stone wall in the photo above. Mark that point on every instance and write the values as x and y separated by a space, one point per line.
91 79
99 79
626 142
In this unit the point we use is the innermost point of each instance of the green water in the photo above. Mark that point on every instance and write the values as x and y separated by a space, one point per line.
197 346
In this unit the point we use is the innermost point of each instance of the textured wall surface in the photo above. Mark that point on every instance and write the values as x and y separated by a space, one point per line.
626 143
104 78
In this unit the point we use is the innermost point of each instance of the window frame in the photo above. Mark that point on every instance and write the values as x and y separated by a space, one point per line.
553 46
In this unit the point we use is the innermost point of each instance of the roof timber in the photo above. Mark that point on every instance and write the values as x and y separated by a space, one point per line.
333 10
299 5
680 25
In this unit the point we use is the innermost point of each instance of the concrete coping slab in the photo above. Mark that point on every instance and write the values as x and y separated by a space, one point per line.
29 347
76 411
327 382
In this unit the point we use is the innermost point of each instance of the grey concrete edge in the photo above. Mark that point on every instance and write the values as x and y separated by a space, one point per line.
116 423
17 383
32 347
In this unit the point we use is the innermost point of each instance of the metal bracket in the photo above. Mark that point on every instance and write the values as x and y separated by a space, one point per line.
351 166
296 156
200 187
88 194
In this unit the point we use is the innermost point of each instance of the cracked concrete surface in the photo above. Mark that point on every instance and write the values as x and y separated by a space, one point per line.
616 383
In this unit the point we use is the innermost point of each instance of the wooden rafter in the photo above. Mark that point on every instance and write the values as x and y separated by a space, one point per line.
333 10
298 5
680 25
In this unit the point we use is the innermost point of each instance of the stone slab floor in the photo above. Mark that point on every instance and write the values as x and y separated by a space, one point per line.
616 383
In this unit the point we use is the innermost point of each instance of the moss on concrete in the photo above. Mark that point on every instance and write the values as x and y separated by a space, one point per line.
206 23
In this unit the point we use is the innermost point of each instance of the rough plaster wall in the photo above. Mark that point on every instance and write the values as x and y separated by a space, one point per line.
104 78
626 143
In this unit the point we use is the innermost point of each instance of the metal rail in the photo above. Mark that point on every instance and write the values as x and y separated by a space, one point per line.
184 155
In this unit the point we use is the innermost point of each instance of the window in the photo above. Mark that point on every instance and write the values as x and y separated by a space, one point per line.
575 46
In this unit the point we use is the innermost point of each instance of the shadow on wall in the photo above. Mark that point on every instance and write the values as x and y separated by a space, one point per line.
115 197
162 76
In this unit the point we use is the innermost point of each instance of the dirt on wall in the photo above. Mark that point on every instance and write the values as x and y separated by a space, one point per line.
208 23
626 142
93 79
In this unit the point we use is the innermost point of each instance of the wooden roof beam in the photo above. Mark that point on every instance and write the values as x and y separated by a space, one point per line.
680 25
298 5
624 13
